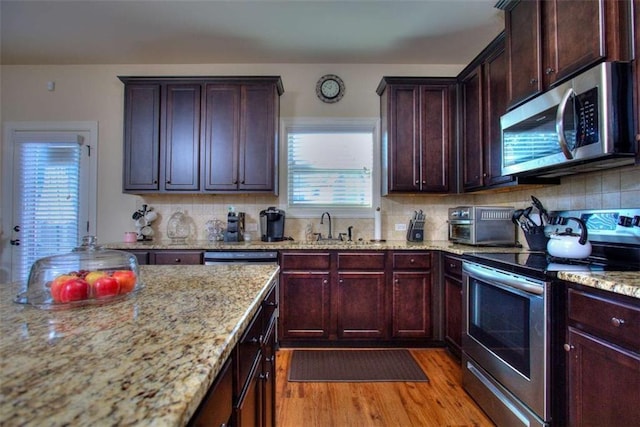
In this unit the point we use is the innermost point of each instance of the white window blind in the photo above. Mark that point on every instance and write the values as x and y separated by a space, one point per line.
330 169
47 198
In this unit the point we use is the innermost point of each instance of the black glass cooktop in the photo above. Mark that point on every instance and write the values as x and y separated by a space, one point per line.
541 265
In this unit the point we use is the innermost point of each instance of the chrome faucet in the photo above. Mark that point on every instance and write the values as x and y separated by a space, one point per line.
329 236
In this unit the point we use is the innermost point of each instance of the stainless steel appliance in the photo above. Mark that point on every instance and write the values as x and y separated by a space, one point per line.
583 124
272 224
505 338
240 257
482 225
513 360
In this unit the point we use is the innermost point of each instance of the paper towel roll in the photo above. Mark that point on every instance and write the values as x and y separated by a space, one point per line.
377 225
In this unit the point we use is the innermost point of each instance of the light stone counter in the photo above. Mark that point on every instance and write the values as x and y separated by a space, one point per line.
144 361
619 282
434 245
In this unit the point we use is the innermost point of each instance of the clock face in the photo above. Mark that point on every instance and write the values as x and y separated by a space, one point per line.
330 88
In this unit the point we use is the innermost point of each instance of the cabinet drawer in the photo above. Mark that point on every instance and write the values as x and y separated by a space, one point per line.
178 257
410 261
361 261
249 349
305 261
269 306
617 321
453 266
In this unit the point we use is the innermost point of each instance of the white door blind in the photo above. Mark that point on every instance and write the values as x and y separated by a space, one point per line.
46 199
330 169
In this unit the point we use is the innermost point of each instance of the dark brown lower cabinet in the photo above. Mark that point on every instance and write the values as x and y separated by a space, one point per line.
361 305
217 406
411 295
453 303
603 359
244 392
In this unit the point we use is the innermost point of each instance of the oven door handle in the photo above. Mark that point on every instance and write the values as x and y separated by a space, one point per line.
517 282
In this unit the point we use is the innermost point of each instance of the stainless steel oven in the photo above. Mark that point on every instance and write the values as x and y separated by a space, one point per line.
506 335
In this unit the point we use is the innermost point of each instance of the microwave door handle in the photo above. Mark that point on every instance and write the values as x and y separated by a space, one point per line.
562 141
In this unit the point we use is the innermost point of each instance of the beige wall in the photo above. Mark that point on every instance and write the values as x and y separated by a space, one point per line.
94 93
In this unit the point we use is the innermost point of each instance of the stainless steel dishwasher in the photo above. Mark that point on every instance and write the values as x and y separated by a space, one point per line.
240 257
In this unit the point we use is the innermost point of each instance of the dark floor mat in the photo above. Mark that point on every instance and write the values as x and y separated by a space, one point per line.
354 366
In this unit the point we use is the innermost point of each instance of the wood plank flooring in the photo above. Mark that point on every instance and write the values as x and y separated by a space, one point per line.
439 402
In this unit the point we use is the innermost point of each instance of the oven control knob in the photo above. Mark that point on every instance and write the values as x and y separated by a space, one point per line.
625 221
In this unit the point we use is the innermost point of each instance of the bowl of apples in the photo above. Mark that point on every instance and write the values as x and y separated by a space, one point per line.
88 275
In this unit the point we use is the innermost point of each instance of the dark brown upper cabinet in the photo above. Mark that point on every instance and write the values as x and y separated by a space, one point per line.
201 134
417 130
483 99
549 41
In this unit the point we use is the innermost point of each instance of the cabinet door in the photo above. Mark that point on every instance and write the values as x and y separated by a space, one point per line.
258 137
435 137
361 305
453 312
249 408
141 137
574 36
221 137
524 47
404 149
603 382
494 106
472 156
305 305
217 406
180 146
411 305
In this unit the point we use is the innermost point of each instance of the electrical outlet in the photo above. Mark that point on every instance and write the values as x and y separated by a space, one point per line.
401 227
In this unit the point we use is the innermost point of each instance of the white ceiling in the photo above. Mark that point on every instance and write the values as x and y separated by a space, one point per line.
243 31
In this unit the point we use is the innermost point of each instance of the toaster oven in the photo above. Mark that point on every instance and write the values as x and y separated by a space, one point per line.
482 225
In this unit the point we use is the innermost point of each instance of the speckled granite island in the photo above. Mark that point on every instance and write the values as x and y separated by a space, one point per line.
147 360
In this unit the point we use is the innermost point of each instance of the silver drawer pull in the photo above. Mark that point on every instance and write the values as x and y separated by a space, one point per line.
617 322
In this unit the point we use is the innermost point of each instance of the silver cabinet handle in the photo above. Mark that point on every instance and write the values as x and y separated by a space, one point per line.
617 322
568 347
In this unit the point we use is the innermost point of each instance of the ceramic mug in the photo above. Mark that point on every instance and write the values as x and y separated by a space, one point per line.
130 236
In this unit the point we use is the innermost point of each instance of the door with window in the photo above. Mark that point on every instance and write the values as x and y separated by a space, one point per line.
50 196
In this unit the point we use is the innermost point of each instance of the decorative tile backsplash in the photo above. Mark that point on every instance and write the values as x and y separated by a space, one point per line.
617 188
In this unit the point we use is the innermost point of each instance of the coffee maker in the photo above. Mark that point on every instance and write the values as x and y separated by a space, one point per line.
235 227
272 224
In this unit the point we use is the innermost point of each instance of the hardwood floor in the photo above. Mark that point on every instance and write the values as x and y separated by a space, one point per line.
439 402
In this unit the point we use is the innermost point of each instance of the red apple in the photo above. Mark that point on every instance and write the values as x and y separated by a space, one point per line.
127 280
92 276
75 289
56 285
105 287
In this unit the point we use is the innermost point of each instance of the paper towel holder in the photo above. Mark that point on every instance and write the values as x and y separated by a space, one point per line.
377 227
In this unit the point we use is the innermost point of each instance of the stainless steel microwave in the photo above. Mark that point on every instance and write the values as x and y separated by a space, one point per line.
583 124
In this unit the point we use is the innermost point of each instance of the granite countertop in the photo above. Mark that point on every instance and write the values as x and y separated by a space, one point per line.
147 360
624 283
437 245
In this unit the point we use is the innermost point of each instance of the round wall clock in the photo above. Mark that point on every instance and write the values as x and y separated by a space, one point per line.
330 88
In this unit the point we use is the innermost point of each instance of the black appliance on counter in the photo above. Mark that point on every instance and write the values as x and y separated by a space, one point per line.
513 324
235 227
272 224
